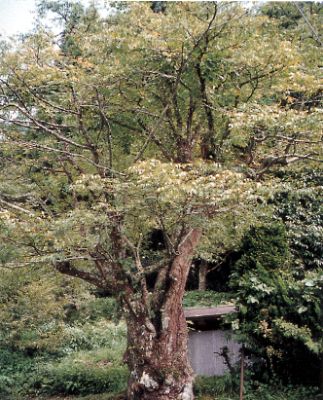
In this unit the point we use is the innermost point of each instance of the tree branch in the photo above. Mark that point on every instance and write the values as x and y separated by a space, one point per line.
66 267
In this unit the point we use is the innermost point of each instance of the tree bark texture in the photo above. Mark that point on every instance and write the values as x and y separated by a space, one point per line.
203 270
184 151
157 353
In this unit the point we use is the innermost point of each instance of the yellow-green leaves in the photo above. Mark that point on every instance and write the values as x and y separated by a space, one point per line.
201 183
176 194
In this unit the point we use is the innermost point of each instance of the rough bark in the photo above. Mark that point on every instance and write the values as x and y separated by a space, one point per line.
203 270
157 353
184 152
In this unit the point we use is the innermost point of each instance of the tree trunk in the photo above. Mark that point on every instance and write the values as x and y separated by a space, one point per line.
184 153
158 362
202 275
157 353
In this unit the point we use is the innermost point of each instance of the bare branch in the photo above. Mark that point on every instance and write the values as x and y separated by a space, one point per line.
34 145
136 253
151 134
16 208
40 125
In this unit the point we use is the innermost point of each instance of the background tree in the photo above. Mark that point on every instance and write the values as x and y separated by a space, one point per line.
279 312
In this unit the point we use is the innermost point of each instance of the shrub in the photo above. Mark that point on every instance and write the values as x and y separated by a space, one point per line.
71 378
95 335
92 364
205 298
215 385
96 308
227 388
279 318
279 392
18 373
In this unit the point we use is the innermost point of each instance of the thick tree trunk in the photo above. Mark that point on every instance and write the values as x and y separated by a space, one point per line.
158 363
157 353
184 151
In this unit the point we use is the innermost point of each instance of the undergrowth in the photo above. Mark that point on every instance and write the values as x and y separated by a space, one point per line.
227 388
89 362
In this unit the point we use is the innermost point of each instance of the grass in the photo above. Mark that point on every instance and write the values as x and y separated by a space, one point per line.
287 396
102 396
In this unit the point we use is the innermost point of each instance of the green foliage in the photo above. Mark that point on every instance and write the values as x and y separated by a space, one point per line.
282 392
288 14
46 318
216 386
32 309
89 361
299 206
95 335
83 379
98 307
210 298
257 276
264 247
279 315
18 373
227 388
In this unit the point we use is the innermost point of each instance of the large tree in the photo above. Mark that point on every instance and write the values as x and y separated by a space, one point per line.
144 120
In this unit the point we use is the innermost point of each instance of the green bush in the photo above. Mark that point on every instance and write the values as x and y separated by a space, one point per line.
279 392
17 374
95 335
207 298
73 378
227 388
80 373
279 317
215 385
97 308
90 361
5 384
